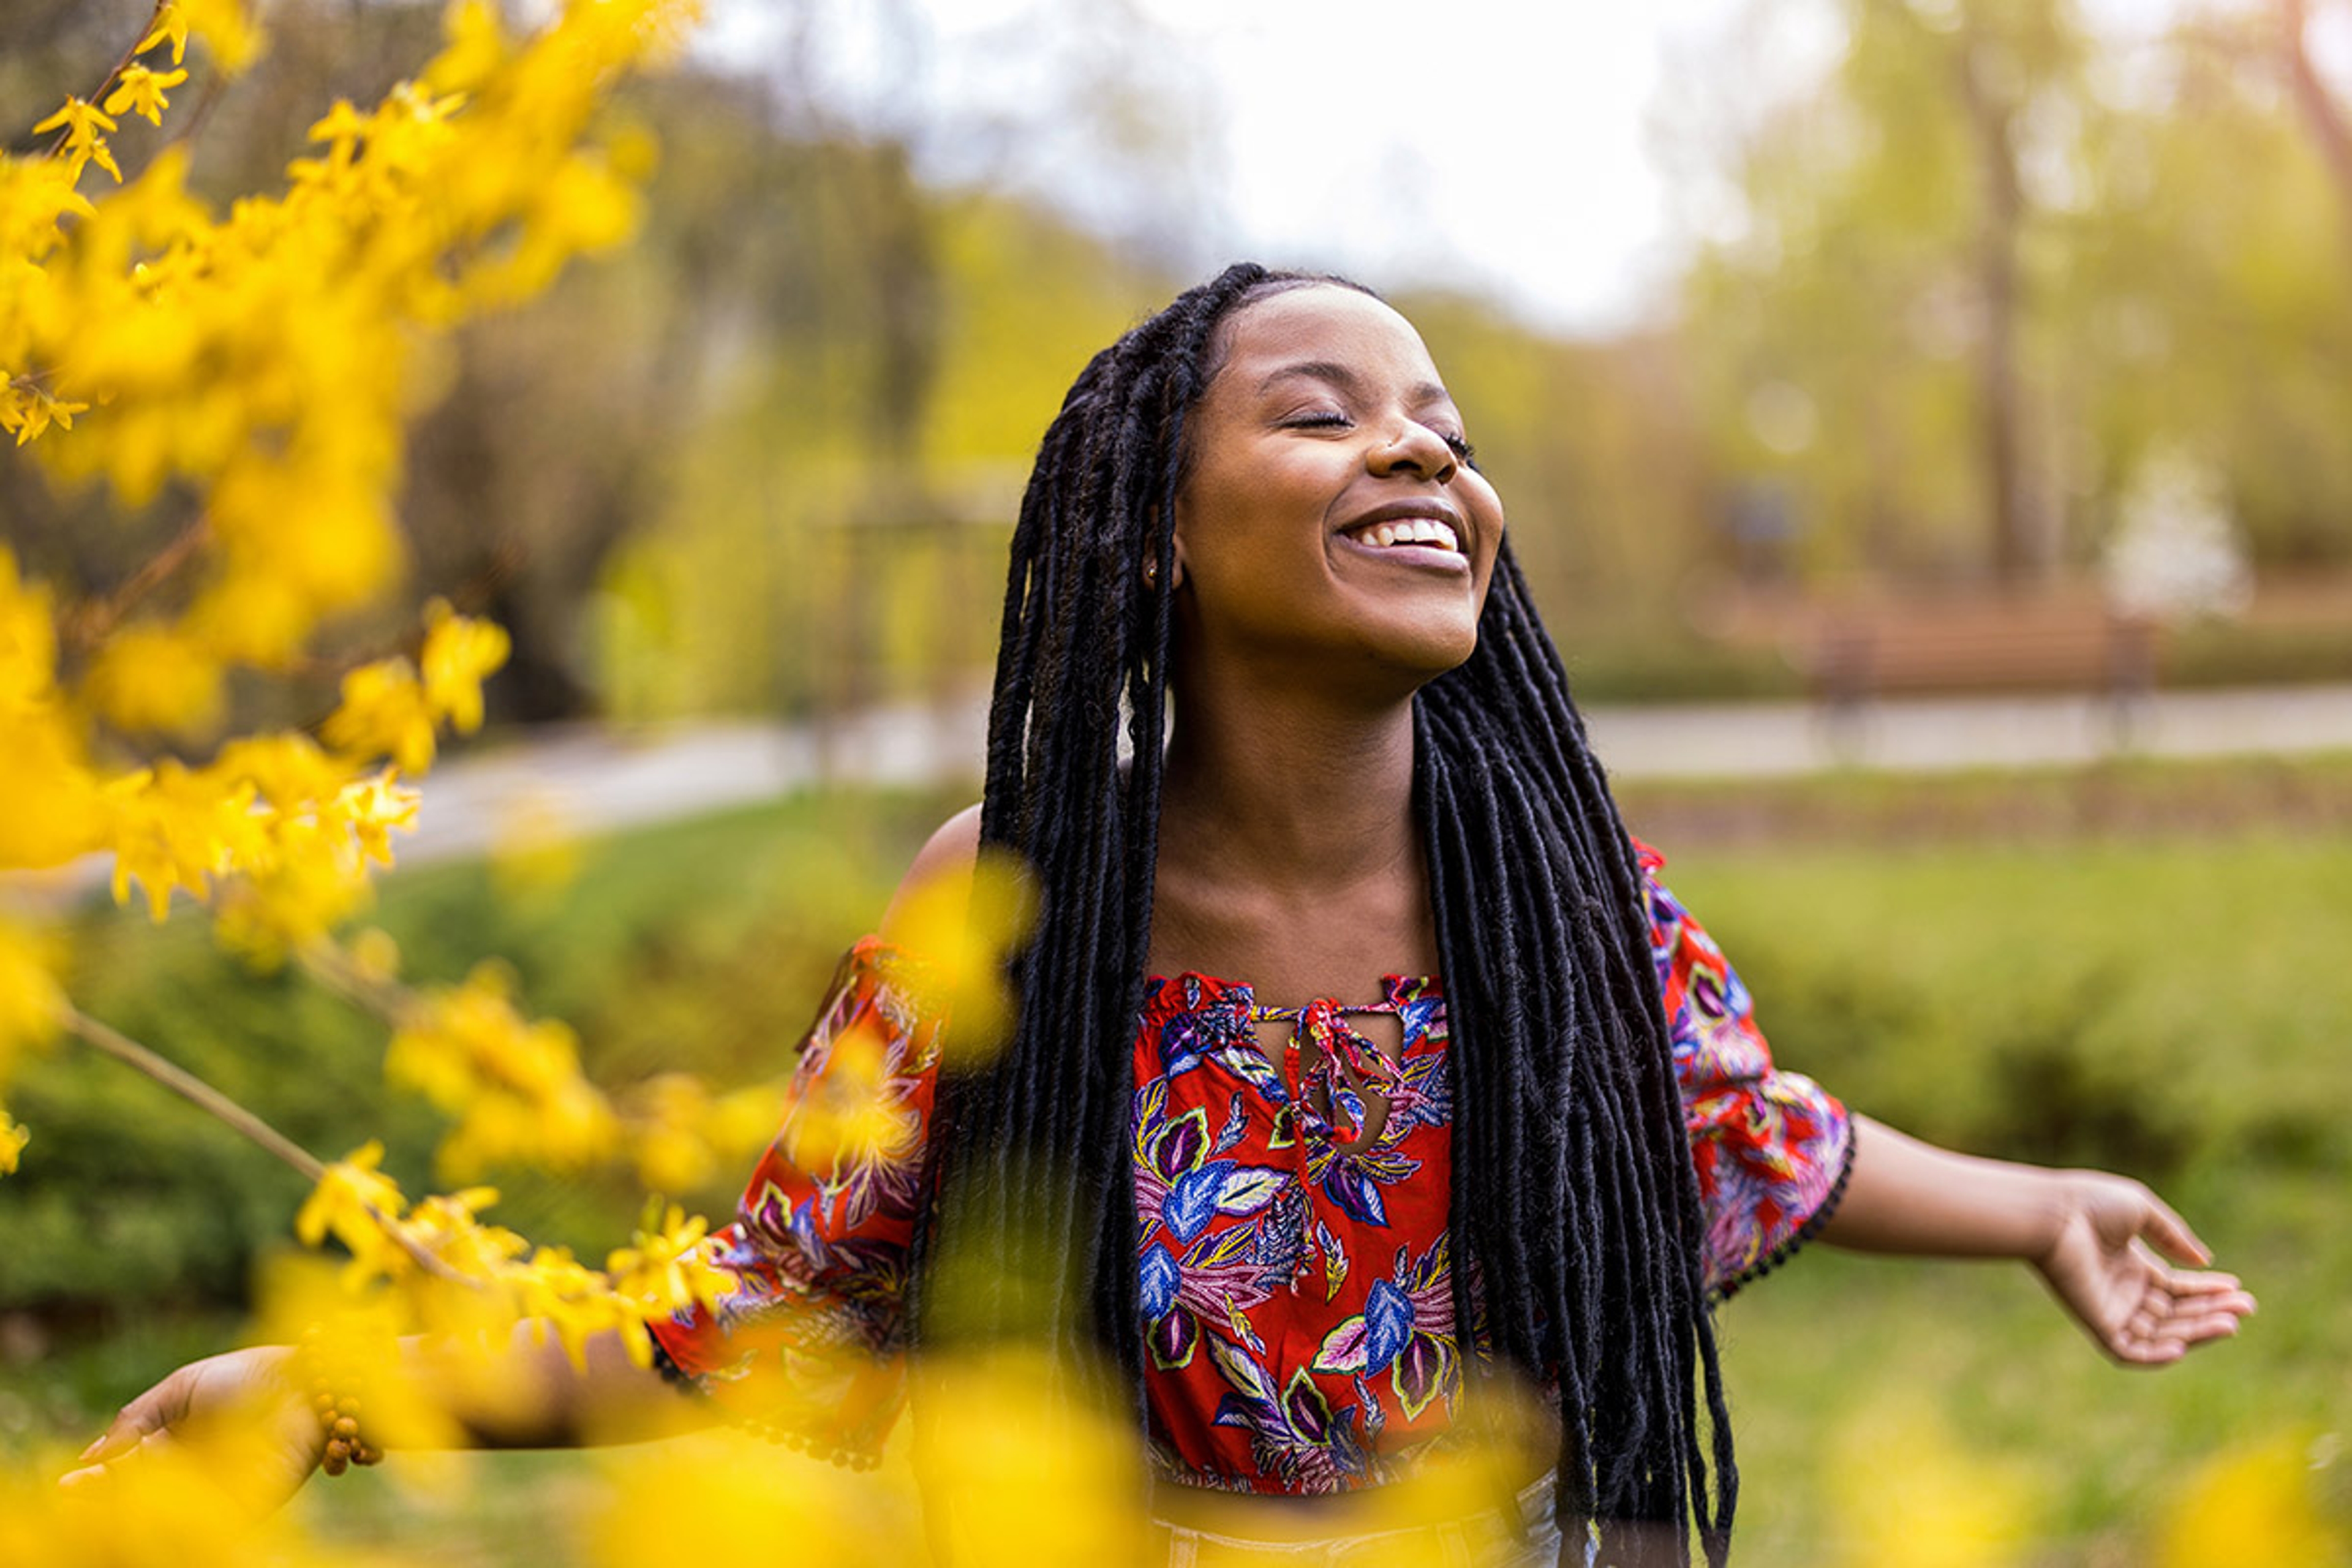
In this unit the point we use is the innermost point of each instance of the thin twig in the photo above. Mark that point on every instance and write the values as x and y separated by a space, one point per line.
326 962
187 1086
95 620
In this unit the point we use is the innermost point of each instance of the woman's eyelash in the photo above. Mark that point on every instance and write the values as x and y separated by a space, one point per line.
1464 452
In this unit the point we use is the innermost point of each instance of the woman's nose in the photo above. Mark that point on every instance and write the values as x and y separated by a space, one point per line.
1414 446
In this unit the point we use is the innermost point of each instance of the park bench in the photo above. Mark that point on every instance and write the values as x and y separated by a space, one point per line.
1854 648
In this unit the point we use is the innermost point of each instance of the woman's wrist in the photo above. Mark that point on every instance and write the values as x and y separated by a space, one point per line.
1908 1197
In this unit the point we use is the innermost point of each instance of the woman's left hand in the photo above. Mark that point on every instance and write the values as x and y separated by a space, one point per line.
2107 1266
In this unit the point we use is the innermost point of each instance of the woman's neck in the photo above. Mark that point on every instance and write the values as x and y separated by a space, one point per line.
1302 791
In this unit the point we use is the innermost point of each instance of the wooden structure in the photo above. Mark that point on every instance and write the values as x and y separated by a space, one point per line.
1858 646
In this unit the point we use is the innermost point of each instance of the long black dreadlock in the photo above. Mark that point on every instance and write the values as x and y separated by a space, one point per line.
1574 1202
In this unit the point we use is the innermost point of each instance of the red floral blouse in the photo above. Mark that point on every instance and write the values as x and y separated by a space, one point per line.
1292 1255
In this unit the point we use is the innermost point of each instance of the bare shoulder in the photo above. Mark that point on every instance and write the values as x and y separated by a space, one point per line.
951 852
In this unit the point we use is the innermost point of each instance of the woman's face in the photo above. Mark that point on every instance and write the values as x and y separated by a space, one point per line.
1328 524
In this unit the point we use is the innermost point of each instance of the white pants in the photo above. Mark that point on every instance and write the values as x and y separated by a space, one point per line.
1488 1540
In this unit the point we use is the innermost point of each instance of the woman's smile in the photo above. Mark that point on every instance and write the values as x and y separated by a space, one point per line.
1425 535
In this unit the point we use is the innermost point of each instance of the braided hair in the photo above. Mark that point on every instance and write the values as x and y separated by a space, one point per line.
1574 1208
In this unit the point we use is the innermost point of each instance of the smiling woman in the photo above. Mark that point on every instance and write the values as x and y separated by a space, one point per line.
1364 1078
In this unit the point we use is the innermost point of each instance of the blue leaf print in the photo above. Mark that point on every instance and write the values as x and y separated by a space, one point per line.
1160 1280
1191 1199
1387 1324
1250 1188
1236 1123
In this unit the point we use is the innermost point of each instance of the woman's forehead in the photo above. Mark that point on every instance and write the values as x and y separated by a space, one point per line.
1324 324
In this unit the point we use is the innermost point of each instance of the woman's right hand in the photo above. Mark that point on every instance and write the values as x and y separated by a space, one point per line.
247 1397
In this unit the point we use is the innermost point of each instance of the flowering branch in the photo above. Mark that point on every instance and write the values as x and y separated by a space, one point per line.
146 37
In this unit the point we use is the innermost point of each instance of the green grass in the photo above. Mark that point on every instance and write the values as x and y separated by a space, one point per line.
2142 967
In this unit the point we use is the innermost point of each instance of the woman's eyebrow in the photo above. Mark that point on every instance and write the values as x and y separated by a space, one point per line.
1421 393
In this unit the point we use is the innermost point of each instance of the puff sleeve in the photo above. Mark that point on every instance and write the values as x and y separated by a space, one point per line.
810 1341
1773 1149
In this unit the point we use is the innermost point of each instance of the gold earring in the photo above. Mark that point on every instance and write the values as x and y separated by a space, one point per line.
1152 572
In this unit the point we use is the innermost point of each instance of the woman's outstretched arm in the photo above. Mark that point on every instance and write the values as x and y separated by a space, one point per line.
531 1396
2107 1247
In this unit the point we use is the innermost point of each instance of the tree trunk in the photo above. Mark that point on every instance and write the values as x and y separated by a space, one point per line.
2319 105
2017 552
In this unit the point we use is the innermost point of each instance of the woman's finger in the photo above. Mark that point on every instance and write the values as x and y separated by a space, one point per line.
2170 1235
2184 1282
131 1425
95 1461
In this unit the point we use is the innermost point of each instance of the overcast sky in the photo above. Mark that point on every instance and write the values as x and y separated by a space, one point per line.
1553 156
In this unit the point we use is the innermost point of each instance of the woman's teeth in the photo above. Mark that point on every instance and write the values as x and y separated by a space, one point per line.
1411 531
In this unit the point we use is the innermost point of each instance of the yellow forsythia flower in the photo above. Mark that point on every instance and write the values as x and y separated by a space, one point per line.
51 809
574 1302
81 120
31 1006
340 1207
140 90
514 1086
151 677
287 768
28 410
1914 1495
2254 1503
171 828
668 1270
960 932
172 26
13 1136
460 652
226 28
370 809
385 714
313 885
700 1498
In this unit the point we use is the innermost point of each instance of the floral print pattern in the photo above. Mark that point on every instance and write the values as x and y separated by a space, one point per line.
1292 1253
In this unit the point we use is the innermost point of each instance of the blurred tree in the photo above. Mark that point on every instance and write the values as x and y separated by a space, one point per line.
2319 100
1882 302
1997 260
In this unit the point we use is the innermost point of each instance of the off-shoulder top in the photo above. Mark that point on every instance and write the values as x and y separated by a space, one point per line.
1297 1307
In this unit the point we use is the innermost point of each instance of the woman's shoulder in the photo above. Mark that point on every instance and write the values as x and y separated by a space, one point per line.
951 852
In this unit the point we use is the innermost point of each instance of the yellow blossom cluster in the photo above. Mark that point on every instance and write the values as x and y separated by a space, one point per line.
30 1007
513 1084
471 1282
680 1135
250 374
244 378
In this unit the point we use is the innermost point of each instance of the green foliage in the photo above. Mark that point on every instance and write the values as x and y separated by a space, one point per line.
2168 1006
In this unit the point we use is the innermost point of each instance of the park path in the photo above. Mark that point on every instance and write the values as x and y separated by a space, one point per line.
592 779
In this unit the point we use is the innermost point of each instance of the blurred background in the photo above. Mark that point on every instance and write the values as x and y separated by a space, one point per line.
1928 424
